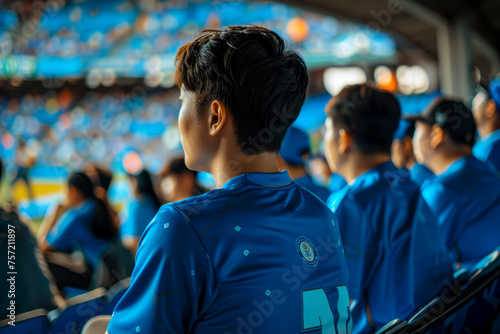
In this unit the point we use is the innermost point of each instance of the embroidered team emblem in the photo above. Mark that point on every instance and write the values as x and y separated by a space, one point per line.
307 251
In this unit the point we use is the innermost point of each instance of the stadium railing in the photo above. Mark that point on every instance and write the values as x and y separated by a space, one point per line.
474 294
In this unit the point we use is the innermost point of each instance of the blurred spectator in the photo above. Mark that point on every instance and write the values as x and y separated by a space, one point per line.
294 153
322 174
179 182
82 224
393 250
102 180
402 153
139 211
33 281
486 110
464 193
24 161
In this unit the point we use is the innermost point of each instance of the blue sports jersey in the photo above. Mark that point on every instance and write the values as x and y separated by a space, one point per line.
420 173
138 214
487 149
307 182
394 255
72 232
337 182
465 197
261 254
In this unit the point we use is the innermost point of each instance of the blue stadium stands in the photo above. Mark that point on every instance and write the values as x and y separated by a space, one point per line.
114 294
32 322
72 316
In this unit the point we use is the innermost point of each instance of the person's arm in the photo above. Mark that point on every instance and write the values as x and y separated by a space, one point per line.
173 281
46 225
445 207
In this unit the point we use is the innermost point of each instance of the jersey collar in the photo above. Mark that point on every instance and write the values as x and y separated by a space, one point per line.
268 180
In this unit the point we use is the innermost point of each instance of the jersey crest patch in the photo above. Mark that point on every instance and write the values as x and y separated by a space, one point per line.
307 251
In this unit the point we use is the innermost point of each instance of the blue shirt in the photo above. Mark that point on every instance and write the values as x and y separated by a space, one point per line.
307 182
420 173
487 149
138 214
337 182
260 254
465 198
394 254
72 232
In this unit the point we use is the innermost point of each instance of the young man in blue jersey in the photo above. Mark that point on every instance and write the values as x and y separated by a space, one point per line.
464 195
486 110
260 254
395 258
294 153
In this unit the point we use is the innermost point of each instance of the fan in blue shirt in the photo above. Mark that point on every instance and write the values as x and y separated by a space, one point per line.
139 211
485 108
394 255
260 253
294 153
464 195
84 225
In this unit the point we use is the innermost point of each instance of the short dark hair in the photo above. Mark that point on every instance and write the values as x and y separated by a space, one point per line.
370 115
249 70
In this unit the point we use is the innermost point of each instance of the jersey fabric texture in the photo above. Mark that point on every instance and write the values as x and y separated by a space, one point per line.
487 149
261 254
72 232
307 182
420 173
465 198
395 258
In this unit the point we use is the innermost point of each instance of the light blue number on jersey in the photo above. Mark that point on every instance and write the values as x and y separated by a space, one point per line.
316 312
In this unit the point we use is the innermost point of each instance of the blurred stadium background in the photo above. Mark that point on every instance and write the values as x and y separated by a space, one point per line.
90 81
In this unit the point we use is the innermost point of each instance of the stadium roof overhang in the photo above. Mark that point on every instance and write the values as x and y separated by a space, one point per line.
416 24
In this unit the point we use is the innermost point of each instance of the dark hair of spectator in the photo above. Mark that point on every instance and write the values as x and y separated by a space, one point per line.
101 224
250 71
104 177
370 115
145 186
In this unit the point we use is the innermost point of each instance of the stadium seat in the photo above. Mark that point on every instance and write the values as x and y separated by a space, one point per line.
96 325
32 322
392 327
114 294
468 305
72 316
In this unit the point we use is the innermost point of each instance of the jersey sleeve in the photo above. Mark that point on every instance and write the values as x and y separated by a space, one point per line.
64 235
445 207
360 246
173 281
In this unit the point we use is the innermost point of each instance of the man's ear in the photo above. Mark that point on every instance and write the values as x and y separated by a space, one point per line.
438 136
490 108
345 141
217 116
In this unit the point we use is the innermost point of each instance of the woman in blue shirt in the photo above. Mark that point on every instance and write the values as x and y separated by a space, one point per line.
140 210
83 224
